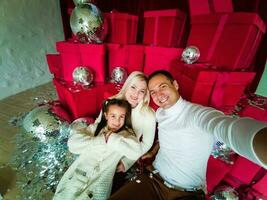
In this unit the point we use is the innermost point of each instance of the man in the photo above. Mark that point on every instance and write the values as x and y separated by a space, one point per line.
186 133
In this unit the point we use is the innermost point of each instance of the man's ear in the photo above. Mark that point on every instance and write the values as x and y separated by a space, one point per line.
176 85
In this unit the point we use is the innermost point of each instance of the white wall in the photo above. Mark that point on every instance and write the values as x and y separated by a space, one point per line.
28 30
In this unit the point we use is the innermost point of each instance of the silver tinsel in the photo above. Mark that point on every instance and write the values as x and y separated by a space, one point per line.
40 162
223 152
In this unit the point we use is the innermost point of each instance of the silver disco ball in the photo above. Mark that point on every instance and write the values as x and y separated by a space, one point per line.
77 2
190 54
42 123
118 75
87 23
225 193
83 76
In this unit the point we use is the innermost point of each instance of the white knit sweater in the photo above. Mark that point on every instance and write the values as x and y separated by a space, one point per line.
90 176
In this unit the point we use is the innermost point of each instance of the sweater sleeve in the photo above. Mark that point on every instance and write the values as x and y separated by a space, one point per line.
238 133
127 146
81 138
148 123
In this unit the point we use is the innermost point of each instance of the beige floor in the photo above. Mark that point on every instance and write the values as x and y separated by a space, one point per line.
10 108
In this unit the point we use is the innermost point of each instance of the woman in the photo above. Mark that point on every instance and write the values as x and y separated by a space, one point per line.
135 91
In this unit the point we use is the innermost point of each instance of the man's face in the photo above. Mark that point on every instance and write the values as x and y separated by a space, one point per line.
163 92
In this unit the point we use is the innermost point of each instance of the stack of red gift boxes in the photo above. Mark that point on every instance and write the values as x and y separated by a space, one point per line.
227 41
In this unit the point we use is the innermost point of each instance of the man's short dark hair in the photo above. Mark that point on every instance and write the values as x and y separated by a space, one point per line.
161 72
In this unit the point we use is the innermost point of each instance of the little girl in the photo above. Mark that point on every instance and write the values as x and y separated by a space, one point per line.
90 176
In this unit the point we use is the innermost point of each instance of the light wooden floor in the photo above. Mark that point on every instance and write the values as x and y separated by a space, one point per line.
11 108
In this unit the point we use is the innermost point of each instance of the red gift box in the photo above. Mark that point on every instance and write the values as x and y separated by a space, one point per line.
242 172
196 81
228 89
87 55
254 112
243 33
54 64
82 102
131 57
70 58
200 7
234 38
157 58
93 56
122 28
164 27
216 170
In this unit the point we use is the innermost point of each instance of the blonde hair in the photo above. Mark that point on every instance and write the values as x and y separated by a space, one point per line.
133 77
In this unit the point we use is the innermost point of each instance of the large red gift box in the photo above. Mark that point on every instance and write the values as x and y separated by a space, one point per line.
233 38
228 89
83 102
164 27
54 64
130 57
200 7
91 56
122 28
195 81
157 58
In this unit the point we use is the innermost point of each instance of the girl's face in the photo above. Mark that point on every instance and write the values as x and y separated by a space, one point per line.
115 117
136 92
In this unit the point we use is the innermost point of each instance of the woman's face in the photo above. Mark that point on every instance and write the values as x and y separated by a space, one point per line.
115 117
136 92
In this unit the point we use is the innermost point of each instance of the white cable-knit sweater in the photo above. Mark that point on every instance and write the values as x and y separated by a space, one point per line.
91 174
144 126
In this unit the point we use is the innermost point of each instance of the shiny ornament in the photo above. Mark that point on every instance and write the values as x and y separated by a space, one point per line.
225 193
81 123
41 123
83 76
190 54
118 75
223 152
87 23
77 2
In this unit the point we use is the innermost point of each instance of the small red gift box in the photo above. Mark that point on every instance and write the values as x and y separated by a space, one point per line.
233 38
122 28
157 58
200 7
164 27
130 57
82 102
